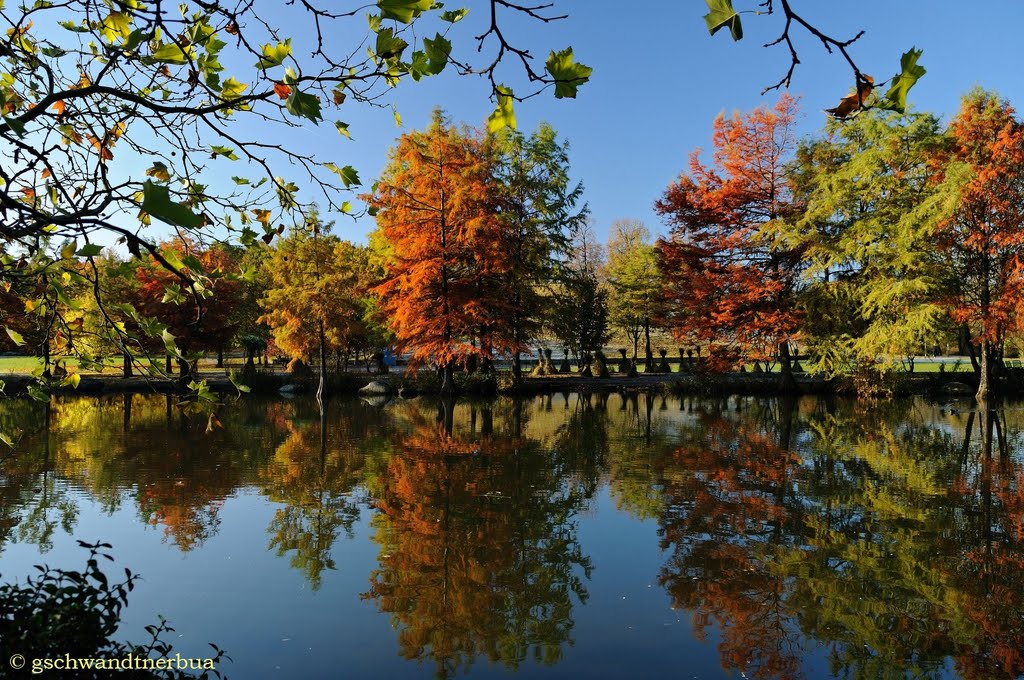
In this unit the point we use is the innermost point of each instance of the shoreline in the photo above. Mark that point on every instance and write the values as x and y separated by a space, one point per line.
958 384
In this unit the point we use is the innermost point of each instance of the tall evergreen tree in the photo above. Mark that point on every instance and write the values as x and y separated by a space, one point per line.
540 213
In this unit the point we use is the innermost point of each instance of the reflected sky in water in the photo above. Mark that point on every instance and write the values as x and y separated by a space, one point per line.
571 535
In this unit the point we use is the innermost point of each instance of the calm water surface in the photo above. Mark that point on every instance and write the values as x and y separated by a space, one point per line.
566 536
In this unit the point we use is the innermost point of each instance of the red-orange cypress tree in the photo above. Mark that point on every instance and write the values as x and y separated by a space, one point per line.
984 235
724 281
440 293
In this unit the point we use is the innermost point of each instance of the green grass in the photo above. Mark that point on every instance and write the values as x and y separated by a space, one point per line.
25 365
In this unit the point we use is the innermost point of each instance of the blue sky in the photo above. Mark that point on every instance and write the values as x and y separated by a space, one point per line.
660 79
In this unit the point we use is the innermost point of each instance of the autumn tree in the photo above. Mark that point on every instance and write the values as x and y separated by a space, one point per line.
724 281
460 576
312 300
982 173
634 283
121 117
190 323
442 292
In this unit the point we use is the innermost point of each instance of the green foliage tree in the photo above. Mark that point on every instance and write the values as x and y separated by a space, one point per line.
539 216
634 283
580 302
876 276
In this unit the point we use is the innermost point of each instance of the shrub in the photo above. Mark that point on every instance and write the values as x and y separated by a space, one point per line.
59 613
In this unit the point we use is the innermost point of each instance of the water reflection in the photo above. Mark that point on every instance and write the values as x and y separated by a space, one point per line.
479 555
882 539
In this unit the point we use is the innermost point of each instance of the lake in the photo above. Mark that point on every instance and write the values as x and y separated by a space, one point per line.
559 536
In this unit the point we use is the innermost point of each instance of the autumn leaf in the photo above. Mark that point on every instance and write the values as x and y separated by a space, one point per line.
854 102
58 107
159 171
101 148
282 90
262 216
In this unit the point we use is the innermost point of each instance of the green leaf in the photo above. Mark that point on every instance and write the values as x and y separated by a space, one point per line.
273 55
16 125
504 115
15 336
722 14
36 393
90 250
135 39
304 106
232 89
156 200
238 386
454 16
71 380
896 98
116 25
240 181
437 50
567 74
403 11
6 439
348 174
225 151
389 46
169 344
72 26
172 53
342 128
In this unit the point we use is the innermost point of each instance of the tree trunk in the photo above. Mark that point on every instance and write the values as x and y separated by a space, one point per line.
517 368
966 346
46 357
448 378
985 372
648 356
126 365
787 383
167 364
323 365
220 357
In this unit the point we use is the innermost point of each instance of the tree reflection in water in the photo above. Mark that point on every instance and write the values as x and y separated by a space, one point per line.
887 539
879 538
479 553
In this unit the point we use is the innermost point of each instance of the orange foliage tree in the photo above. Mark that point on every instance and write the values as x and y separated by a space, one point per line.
724 281
983 169
442 291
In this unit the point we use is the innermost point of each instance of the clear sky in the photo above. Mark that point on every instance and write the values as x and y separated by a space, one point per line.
659 80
